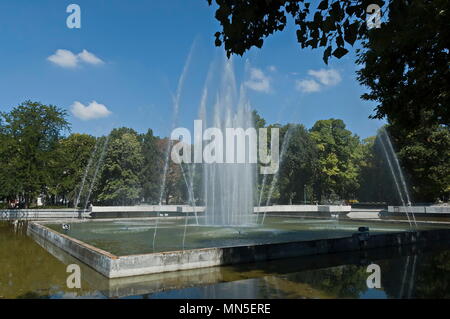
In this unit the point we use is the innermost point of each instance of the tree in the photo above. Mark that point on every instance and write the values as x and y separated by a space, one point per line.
119 183
74 153
31 132
9 183
376 181
298 165
174 185
259 121
339 156
405 61
330 25
424 153
405 64
152 168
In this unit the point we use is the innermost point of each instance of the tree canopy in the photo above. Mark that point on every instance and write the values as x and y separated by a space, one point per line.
405 61
330 24
326 163
406 64
119 183
30 135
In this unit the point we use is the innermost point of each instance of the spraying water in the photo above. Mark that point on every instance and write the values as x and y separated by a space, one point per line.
229 187
83 180
99 164
397 174
176 107
400 173
395 177
275 178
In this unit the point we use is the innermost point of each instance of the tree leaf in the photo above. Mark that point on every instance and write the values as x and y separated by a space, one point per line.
327 54
340 52
351 33
323 5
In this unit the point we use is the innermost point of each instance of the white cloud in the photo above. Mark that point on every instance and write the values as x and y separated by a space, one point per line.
93 111
329 77
320 79
272 68
258 81
68 59
64 58
307 86
89 57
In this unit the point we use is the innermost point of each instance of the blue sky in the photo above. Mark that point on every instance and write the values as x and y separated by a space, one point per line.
122 67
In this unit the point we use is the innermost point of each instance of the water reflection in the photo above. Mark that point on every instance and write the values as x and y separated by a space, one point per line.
37 269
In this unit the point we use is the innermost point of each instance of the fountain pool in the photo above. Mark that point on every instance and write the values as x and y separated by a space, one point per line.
124 247
125 237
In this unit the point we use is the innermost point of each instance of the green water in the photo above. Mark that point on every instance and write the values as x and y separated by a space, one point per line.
127 237
29 271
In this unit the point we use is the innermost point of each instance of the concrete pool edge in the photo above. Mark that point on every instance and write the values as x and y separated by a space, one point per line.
94 257
112 266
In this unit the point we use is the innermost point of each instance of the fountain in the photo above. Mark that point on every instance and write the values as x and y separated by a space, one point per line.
228 230
397 175
98 165
229 187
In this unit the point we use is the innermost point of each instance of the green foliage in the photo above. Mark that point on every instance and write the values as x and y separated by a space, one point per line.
424 154
376 181
30 134
153 161
406 64
73 154
119 183
339 158
174 185
332 25
298 166
326 163
259 121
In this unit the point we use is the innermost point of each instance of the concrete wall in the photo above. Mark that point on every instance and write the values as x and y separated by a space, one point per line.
98 259
123 266
41 213
189 209
154 210
199 258
419 209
